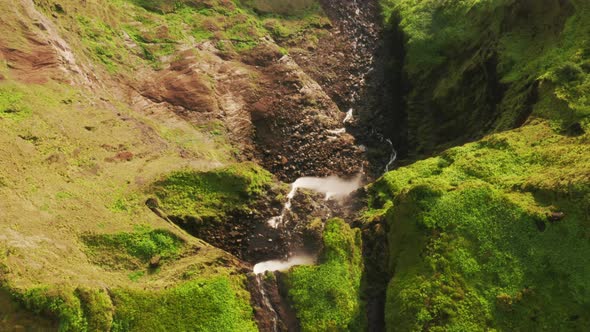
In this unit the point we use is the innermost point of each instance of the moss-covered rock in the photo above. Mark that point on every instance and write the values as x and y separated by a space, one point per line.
132 250
326 297
198 305
474 67
491 235
211 196
214 304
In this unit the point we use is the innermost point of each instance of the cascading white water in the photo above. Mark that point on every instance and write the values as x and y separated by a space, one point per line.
331 186
392 157
283 265
266 302
337 131
349 117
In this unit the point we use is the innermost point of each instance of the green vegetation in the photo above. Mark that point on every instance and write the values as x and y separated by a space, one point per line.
151 30
198 305
11 102
216 304
326 296
18 101
472 244
493 234
132 249
76 310
499 58
210 196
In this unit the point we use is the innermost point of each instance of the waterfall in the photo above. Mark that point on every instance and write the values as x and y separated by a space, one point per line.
393 155
266 303
331 187
283 265
348 118
337 131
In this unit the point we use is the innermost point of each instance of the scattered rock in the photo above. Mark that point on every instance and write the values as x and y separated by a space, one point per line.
56 158
31 138
152 203
155 261
58 8
555 216
121 156
110 148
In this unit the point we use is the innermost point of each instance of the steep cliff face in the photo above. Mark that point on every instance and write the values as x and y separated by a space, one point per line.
492 234
481 66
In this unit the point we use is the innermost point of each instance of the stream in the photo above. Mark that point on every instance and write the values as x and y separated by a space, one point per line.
356 19
333 188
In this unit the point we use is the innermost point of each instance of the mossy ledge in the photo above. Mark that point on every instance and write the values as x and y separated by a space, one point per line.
491 235
218 303
205 197
494 234
326 297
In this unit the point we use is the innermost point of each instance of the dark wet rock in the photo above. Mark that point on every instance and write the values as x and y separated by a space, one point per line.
269 298
575 129
541 226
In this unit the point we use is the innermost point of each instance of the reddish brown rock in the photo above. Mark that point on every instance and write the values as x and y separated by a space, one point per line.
555 216
124 156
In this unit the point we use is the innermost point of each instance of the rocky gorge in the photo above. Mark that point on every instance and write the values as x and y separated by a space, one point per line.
304 165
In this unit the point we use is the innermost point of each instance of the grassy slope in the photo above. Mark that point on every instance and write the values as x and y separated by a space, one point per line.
158 28
77 170
472 244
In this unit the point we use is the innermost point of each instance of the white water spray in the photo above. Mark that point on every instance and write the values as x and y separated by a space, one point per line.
392 157
337 131
266 301
283 265
331 186
349 116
